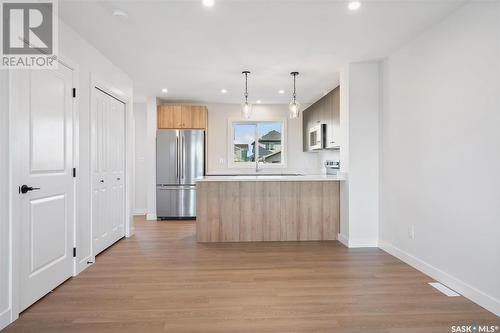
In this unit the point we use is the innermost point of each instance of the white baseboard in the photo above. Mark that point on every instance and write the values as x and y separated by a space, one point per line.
486 301
151 217
139 211
131 233
5 319
343 239
82 265
357 242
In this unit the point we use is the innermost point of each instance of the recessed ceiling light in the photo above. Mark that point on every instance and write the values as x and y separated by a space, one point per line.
120 13
258 101
354 5
223 91
208 3
164 90
281 91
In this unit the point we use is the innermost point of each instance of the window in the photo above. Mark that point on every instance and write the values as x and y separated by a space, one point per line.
261 141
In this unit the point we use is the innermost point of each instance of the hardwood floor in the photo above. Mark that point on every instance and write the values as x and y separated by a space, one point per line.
161 280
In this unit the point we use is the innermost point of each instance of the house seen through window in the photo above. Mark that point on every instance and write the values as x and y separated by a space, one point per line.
258 141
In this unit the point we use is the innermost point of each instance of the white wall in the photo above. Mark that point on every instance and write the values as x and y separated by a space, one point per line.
440 156
150 179
140 188
218 115
344 155
5 306
363 149
359 116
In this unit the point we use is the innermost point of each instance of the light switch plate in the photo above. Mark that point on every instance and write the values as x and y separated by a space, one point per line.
411 231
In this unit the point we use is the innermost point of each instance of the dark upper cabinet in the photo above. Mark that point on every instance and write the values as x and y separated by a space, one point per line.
324 111
305 129
332 119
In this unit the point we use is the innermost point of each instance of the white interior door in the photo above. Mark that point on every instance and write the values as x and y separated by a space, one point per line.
108 170
43 120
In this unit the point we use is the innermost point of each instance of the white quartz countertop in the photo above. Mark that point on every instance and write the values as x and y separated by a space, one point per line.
271 178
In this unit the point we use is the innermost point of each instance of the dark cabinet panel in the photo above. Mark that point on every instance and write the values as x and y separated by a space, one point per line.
305 129
324 111
332 119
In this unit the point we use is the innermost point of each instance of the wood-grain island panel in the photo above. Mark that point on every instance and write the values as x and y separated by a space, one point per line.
244 211
230 212
289 211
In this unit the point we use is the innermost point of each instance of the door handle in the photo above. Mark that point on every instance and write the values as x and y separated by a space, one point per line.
178 158
25 189
183 148
101 181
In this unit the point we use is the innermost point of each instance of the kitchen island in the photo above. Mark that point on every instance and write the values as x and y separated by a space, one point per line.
254 208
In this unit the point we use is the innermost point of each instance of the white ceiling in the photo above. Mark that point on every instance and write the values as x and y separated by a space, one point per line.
196 51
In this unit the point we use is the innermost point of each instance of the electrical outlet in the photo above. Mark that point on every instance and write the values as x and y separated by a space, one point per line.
411 231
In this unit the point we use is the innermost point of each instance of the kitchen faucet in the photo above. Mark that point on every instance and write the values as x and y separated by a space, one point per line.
257 169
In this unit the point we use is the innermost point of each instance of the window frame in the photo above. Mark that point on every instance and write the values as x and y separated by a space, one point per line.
251 165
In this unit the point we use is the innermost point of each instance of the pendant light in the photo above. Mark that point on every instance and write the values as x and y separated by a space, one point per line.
246 108
294 106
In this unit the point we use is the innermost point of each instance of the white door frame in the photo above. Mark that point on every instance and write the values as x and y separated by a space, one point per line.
5 202
15 200
99 83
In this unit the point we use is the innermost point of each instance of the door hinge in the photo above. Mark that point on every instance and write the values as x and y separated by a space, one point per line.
74 252
74 172
74 92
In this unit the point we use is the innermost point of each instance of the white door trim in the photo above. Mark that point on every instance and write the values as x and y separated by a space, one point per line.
77 266
5 201
15 229
15 200
113 91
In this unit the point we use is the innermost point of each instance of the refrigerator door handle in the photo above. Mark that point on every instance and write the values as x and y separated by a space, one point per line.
177 157
176 187
183 151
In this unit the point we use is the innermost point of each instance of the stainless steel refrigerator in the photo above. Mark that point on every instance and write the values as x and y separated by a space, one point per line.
180 160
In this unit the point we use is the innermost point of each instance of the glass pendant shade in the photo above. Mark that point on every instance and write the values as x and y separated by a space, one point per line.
246 110
294 106
294 109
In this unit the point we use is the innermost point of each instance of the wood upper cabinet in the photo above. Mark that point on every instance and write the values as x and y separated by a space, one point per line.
182 116
199 116
186 116
169 116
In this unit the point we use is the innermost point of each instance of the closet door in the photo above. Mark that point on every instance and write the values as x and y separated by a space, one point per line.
116 176
108 170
